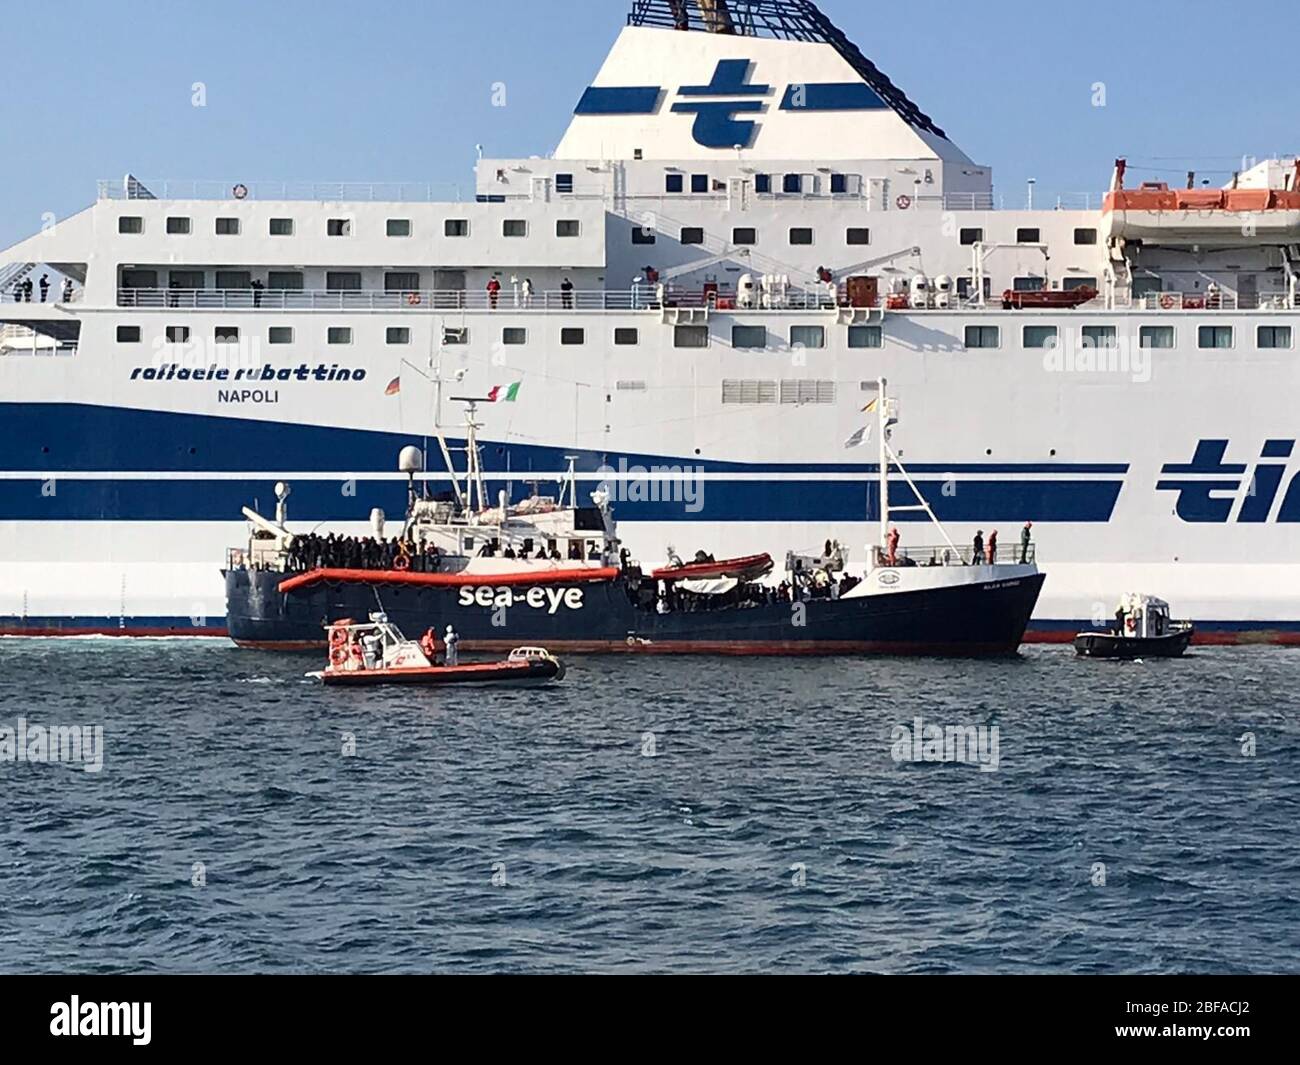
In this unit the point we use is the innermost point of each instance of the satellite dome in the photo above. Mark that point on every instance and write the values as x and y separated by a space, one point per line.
411 460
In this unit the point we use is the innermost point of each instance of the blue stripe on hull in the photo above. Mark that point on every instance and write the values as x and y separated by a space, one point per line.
48 438
719 501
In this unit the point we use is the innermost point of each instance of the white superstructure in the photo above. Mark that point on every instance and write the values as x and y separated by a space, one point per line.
653 290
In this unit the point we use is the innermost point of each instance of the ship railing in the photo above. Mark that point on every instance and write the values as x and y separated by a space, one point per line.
364 191
1201 301
326 191
642 298
988 201
1011 554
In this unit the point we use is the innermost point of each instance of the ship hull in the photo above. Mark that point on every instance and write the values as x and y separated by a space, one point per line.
986 617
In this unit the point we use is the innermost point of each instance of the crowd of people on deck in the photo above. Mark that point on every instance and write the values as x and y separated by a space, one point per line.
309 552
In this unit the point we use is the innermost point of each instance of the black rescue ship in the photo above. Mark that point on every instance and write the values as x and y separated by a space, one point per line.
552 573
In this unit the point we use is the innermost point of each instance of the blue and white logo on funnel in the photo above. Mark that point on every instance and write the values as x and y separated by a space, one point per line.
716 124
720 106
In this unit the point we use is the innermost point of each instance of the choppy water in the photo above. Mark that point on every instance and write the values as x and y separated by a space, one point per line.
764 773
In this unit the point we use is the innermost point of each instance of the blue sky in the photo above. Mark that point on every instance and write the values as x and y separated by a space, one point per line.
401 91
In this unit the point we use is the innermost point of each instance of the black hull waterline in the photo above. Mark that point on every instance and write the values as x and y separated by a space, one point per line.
985 617
1110 645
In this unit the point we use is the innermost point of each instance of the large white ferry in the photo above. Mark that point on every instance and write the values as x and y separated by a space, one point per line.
745 226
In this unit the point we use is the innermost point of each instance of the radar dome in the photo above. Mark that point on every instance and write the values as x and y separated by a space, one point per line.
411 460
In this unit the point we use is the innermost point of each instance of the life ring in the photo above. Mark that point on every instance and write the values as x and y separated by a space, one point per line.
240 191
338 638
401 563
339 655
1130 623
904 202
413 299
1167 301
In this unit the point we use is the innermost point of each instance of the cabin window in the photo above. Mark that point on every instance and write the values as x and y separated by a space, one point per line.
972 236
1214 336
762 182
1156 336
1028 236
571 335
284 280
749 337
744 235
1273 336
402 281
128 334
234 279
699 182
280 334
398 227
513 334
801 235
339 334
857 235
186 279
807 336
966 285
692 235
839 184
642 235
130 223
226 334
691 336
343 281
866 336
1040 336
563 182
178 334
1085 236
1072 284
281 227
568 227
792 183
982 336
514 227
626 336
674 182
227 227
1029 284
397 334
338 227
453 335
178 227
1100 336
455 227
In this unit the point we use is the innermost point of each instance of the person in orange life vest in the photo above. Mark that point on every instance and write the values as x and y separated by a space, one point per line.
429 645
494 291
892 557
992 548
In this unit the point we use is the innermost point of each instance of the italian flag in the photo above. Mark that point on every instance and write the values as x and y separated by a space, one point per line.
504 393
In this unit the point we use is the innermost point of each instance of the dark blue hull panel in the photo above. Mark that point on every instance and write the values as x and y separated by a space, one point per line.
987 618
